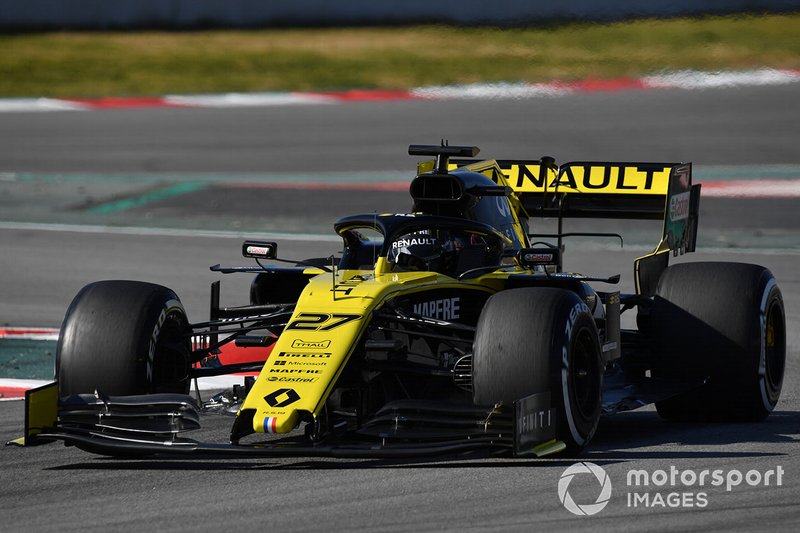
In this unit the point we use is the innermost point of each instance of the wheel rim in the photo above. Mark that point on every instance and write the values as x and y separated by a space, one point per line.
171 361
584 376
774 348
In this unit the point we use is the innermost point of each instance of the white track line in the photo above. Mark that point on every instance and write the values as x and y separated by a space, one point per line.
690 79
11 105
163 232
248 99
752 189
477 91
492 91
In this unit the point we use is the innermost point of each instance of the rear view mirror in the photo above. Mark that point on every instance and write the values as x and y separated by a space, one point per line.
260 249
531 257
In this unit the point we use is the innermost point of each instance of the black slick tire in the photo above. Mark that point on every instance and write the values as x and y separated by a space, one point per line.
723 322
123 338
541 339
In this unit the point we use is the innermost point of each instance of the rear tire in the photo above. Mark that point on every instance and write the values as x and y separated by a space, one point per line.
724 322
121 338
541 339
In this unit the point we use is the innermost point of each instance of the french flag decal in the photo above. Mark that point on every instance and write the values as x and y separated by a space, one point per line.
270 424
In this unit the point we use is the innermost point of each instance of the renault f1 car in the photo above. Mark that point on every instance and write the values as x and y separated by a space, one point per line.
447 329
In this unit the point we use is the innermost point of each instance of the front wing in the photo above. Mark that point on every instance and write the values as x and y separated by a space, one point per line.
154 424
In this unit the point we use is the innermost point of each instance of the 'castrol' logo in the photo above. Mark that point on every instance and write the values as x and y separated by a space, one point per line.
679 206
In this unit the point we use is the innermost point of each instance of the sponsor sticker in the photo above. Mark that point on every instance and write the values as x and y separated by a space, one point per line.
679 206
305 355
294 371
413 241
539 258
443 309
291 379
315 345
259 250
604 178
281 398
535 420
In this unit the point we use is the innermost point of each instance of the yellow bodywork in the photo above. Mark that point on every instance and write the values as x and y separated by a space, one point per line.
306 361
335 308
41 413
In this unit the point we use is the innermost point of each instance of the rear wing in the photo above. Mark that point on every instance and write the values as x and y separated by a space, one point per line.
582 189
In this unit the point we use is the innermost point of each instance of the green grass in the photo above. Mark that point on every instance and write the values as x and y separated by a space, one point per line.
151 63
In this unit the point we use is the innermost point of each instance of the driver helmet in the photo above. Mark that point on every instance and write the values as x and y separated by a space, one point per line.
430 250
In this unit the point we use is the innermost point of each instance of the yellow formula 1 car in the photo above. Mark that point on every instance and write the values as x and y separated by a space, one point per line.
437 331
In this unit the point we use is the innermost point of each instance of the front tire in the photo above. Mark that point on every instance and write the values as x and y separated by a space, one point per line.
122 338
724 322
541 339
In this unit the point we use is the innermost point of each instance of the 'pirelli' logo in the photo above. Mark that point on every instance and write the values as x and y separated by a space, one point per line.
305 355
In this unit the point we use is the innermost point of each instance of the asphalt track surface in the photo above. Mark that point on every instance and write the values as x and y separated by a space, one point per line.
54 488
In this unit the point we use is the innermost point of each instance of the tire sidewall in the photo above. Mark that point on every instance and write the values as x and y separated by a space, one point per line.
770 381
171 315
579 424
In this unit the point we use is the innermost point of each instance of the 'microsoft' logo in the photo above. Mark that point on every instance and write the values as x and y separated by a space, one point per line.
599 475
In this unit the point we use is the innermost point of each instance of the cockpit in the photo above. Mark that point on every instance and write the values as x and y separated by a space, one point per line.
416 242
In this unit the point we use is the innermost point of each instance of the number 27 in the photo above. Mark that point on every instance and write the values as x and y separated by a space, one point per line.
320 321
